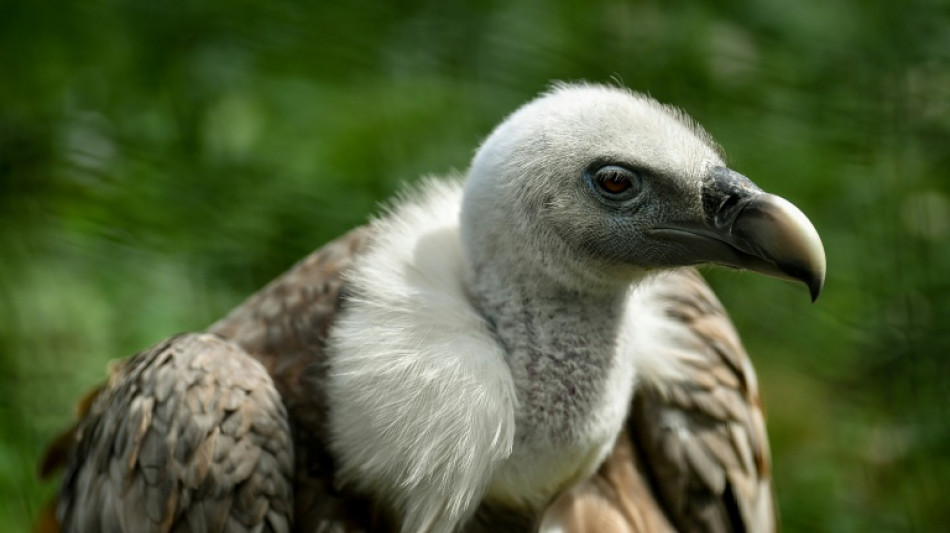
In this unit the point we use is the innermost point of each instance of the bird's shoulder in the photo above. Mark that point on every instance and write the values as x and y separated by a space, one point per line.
289 318
698 422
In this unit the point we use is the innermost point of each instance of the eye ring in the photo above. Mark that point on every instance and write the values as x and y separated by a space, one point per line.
614 182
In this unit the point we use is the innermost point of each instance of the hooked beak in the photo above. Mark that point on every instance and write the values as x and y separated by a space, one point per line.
745 227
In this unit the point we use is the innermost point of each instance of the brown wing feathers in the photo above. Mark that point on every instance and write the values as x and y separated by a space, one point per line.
188 434
702 438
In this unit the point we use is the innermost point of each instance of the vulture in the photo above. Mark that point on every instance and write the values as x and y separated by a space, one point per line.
527 347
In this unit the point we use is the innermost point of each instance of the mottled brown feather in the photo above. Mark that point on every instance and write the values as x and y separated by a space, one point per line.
148 461
702 438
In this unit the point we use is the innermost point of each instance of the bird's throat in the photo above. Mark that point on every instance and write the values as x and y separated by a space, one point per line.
573 382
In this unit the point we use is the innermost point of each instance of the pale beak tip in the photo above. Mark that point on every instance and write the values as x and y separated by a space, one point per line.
785 236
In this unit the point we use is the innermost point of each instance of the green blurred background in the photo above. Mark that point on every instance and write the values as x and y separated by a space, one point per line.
159 161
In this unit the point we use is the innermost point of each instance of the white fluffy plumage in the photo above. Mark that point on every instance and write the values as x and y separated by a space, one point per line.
423 399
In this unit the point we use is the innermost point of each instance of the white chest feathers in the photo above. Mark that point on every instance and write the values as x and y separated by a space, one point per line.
422 401
425 412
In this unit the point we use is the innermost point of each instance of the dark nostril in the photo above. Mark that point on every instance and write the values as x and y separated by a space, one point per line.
728 210
730 203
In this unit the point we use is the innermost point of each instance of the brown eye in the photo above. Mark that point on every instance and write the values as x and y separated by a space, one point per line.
615 182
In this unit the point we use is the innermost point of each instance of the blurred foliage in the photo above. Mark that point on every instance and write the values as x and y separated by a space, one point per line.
159 161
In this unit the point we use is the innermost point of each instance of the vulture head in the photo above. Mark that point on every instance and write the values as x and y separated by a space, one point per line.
593 186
